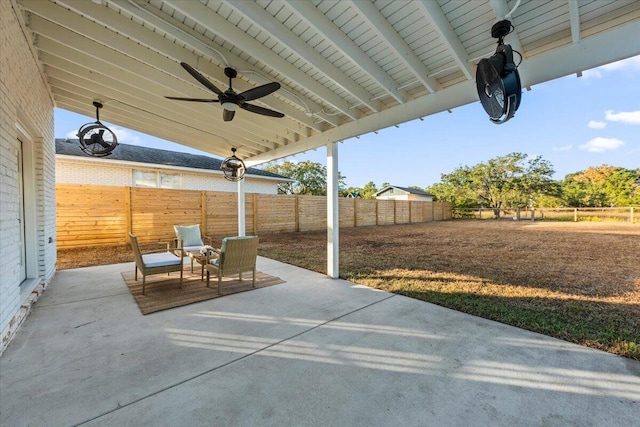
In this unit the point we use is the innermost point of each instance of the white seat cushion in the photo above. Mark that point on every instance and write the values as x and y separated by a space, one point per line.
160 260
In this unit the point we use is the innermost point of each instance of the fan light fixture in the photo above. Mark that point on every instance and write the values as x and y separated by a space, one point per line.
233 167
497 78
229 106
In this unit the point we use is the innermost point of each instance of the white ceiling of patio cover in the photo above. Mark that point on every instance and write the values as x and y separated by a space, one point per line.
346 67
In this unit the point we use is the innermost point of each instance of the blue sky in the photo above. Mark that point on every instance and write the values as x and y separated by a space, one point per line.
573 122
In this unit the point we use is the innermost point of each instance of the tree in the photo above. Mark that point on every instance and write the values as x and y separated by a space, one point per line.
310 177
602 186
369 190
511 181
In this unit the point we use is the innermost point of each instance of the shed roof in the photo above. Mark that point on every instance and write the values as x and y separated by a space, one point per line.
405 189
155 156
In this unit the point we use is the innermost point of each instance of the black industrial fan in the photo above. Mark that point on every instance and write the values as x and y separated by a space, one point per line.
498 80
229 99
95 138
233 167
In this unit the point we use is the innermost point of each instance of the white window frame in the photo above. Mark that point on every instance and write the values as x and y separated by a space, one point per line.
157 179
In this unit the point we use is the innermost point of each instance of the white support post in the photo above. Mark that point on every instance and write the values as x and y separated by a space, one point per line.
241 209
333 224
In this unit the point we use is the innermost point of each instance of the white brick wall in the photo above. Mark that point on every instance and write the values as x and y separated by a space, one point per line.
71 171
24 100
90 172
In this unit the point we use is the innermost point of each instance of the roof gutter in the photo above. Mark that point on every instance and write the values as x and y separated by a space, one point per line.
129 163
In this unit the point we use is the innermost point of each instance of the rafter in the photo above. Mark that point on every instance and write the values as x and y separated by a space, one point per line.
574 17
271 26
436 16
395 43
501 9
331 32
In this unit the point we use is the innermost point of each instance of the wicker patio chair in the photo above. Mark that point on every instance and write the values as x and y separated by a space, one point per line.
236 256
191 240
155 262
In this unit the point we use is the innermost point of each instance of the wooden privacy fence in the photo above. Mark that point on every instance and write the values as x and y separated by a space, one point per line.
96 215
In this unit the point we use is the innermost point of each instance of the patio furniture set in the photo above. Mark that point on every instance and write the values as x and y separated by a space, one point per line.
236 255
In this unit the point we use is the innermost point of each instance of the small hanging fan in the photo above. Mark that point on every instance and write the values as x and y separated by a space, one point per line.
229 99
233 167
95 138
498 80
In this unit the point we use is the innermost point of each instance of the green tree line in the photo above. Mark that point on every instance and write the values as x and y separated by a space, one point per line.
515 180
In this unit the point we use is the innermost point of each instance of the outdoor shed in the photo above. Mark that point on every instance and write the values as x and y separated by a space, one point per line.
135 166
391 192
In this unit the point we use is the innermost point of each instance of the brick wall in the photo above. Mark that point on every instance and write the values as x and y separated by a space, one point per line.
26 112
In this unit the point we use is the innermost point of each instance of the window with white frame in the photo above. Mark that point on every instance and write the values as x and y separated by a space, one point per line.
154 179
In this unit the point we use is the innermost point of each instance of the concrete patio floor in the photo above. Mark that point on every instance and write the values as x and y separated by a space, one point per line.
309 352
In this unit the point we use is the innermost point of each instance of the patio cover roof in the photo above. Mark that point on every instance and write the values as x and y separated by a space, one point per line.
346 67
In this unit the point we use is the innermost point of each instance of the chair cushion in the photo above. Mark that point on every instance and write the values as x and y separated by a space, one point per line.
189 234
160 260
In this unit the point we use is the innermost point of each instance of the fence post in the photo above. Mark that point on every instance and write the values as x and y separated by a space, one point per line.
631 215
395 211
297 212
127 211
203 211
575 214
255 214
355 212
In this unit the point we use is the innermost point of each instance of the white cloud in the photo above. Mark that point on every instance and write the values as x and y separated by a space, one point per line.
126 136
631 64
563 148
596 125
631 117
600 145
593 73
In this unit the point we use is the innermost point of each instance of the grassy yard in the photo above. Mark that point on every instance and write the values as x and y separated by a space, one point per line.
576 281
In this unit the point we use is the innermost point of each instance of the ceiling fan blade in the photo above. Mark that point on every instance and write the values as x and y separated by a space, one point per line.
202 79
260 91
227 115
179 98
261 110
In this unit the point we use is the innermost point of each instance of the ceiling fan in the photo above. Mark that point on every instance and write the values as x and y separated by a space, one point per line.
229 99
95 138
497 78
